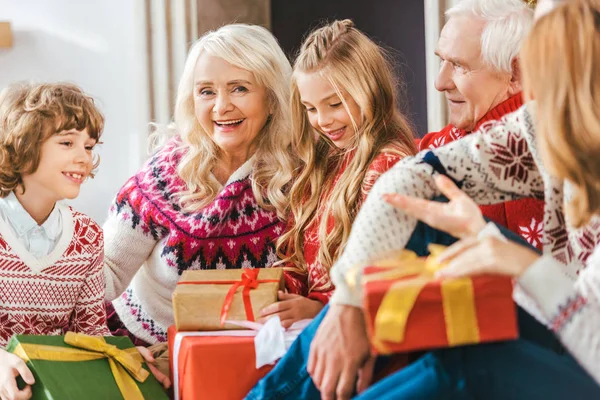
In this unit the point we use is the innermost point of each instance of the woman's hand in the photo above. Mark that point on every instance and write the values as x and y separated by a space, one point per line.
491 255
460 217
149 358
291 308
12 366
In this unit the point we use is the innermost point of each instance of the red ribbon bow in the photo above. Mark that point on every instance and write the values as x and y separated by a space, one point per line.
249 281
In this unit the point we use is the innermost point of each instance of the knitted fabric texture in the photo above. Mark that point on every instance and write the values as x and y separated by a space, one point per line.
61 292
316 284
146 226
524 216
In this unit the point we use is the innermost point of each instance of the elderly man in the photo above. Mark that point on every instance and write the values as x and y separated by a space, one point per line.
480 76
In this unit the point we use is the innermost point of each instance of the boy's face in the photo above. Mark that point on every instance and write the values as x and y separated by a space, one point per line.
66 160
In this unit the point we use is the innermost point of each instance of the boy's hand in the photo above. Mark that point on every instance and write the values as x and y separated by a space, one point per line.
291 308
149 358
12 366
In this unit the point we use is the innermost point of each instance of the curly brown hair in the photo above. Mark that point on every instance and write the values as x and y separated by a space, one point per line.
29 115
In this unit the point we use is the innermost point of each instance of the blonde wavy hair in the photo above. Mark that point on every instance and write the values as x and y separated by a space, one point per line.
254 49
347 59
30 114
561 64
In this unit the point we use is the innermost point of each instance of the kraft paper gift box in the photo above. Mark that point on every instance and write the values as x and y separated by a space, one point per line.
407 309
205 299
77 366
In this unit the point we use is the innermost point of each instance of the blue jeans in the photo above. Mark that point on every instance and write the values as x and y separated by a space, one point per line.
535 366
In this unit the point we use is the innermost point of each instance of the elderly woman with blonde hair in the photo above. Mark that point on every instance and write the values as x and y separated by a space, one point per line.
213 196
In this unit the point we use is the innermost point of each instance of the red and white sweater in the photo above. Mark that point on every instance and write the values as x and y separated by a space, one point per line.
523 216
63 291
499 162
316 284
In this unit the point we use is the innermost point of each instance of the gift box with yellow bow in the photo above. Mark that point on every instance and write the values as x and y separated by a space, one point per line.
77 366
205 299
408 309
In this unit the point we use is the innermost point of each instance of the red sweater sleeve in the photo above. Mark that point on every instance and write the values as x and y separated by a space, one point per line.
437 139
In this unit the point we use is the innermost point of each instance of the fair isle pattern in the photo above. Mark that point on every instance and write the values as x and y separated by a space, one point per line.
532 232
231 232
500 162
65 296
150 327
566 312
316 284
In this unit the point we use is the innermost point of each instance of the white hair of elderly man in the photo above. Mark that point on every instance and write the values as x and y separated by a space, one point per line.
507 25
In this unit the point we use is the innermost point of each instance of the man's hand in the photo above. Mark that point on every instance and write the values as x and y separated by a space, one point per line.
339 353
460 217
12 366
291 308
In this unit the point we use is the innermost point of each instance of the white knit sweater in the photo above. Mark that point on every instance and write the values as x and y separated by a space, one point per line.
495 164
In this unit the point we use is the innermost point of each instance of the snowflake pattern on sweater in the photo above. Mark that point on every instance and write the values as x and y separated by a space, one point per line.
316 284
522 216
61 292
146 226
480 164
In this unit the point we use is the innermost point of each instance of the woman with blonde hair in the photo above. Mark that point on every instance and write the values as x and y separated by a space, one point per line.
214 195
347 131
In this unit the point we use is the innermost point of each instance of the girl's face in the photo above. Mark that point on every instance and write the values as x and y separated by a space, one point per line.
325 109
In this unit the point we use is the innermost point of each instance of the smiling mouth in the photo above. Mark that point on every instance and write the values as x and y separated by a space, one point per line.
232 122
76 177
335 135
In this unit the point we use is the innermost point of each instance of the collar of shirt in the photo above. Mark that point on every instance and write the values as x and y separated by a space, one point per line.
23 223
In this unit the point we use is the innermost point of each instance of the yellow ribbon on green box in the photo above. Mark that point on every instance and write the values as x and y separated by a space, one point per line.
124 364
412 273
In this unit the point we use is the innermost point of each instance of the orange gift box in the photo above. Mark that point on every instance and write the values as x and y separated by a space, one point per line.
407 309
213 367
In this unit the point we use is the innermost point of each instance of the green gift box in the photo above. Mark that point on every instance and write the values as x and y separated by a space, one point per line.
77 366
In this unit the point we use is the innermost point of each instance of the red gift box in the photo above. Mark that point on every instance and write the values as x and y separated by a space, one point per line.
213 367
420 312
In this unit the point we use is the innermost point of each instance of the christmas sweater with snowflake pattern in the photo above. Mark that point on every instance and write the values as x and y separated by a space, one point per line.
150 241
315 283
523 216
496 163
60 292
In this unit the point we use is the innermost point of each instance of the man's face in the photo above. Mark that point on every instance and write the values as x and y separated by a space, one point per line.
471 87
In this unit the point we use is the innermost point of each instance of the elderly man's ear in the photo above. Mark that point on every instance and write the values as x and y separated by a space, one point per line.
514 86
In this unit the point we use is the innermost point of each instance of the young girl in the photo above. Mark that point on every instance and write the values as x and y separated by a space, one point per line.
347 132
51 277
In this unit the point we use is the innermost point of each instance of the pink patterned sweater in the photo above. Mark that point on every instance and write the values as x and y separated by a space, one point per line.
497 163
150 241
63 291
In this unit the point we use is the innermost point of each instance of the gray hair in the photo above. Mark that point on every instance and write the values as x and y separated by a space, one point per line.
507 24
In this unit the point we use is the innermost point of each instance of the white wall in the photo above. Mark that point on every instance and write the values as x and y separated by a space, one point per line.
99 45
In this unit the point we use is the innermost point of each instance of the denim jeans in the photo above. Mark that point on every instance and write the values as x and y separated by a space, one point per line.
533 367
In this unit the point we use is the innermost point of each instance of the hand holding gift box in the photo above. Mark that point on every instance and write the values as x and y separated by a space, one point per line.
408 309
77 366
204 299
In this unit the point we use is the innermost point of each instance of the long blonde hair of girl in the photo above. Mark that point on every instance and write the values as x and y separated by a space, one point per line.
561 64
347 59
